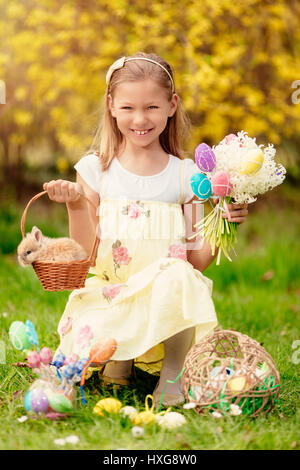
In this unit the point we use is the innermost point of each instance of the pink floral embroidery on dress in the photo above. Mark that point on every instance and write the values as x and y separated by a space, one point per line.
66 326
135 209
120 255
110 292
177 251
84 337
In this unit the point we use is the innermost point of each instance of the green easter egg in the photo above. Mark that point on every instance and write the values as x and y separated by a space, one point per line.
60 403
18 336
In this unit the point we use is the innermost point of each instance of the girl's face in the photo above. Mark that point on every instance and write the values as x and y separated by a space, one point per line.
141 110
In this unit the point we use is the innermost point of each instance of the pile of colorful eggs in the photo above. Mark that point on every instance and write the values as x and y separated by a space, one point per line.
53 392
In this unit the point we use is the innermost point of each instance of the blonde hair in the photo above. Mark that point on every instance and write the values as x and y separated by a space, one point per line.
108 138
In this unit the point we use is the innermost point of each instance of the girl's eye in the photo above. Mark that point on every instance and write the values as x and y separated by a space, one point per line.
149 107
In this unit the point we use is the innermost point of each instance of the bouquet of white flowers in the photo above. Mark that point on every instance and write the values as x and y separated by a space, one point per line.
236 170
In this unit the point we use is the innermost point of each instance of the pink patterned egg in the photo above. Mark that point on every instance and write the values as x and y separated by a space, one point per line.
220 183
46 355
33 359
229 138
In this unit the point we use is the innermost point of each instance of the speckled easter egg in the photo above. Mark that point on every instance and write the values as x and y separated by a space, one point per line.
205 158
252 162
39 401
220 183
201 185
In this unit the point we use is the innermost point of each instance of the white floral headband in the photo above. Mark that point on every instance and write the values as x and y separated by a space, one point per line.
118 64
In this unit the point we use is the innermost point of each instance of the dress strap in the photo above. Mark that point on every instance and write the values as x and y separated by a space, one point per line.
181 198
104 184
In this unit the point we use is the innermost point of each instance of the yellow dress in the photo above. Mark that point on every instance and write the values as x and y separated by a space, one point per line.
143 290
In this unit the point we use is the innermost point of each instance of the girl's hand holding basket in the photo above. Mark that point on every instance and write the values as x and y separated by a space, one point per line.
63 191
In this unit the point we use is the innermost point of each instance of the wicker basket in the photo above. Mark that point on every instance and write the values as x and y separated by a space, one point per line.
61 276
228 368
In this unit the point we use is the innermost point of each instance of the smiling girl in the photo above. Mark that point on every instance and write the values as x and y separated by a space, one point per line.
148 291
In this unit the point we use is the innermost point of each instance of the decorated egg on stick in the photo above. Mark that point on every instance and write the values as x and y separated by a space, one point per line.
230 137
46 355
18 336
252 162
201 186
100 352
220 183
33 359
205 158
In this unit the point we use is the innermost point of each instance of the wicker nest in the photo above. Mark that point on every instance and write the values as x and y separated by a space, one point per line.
227 370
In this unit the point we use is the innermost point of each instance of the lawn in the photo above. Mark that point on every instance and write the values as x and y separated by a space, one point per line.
257 294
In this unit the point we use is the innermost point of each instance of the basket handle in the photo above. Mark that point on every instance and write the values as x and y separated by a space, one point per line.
93 254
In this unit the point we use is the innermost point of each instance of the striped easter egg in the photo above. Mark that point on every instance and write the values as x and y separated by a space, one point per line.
205 158
220 183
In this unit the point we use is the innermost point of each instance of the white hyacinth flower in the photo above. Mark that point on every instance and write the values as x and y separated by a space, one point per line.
137 431
235 410
171 420
72 439
129 411
59 442
217 414
22 419
189 406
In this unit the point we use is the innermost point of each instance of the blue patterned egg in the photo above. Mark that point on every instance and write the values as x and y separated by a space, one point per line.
201 186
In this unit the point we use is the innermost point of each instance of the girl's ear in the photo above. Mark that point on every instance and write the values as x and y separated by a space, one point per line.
110 105
173 105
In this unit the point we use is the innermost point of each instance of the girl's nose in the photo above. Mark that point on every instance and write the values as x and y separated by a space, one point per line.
139 121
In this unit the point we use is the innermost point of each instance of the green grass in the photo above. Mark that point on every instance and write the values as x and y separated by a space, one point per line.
264 307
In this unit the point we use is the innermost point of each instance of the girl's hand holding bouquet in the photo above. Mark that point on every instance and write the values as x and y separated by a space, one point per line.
235 171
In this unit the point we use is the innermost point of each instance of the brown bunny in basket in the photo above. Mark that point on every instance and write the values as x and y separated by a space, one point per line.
36 247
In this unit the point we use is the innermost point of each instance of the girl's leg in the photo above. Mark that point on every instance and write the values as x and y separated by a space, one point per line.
118 370
176 349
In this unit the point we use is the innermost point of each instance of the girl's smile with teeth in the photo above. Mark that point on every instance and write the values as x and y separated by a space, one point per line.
141 132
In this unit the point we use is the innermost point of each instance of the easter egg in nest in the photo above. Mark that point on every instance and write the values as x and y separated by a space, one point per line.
252 162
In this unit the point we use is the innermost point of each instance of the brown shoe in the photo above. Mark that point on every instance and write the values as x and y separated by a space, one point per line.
124 380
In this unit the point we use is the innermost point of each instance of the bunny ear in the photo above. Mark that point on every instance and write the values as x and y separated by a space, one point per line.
36 233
